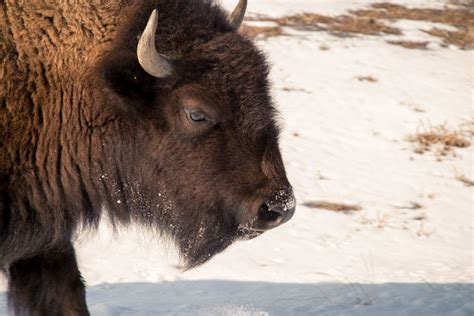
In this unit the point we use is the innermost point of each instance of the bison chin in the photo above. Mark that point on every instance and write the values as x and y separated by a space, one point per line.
199 243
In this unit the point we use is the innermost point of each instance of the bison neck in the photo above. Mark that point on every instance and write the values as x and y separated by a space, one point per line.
50 131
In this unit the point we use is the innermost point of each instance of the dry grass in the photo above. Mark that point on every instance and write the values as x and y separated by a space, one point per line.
464 3
468 182
262 32
415 206
306 21
389 11
412 206
290 89
335 207
368 26
463 39
462 18
410 44
439 139
372 21
413 106
343 25
467 128
367 79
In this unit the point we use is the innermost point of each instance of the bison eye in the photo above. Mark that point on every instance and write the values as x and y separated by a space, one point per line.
196 116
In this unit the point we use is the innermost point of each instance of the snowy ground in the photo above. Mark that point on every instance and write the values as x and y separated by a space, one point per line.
343 141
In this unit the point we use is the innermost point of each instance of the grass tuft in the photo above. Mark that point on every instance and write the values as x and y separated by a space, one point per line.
467 182
410 44
262 32
335 207
439 139
367 79
463 39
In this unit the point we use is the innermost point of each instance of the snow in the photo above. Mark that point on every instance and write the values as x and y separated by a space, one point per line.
344 141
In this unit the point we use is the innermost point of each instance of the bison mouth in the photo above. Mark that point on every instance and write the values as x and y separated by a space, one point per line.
246 233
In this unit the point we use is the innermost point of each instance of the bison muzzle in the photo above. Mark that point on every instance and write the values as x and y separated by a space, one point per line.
156 113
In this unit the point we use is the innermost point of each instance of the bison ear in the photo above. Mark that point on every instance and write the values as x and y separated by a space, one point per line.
124 75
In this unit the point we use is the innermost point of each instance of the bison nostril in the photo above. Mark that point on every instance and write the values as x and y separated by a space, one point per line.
276 210
268 215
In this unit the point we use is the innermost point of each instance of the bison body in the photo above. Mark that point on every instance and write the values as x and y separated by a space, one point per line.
178 135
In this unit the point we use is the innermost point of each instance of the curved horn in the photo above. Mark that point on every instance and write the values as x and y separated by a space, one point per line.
152 62
237 16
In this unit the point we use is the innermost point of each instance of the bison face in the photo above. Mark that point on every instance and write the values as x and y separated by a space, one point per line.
194 147
224 178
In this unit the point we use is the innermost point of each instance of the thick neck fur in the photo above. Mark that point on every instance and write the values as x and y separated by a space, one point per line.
45 49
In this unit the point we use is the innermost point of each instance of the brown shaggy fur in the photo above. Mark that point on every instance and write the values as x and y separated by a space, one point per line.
82 126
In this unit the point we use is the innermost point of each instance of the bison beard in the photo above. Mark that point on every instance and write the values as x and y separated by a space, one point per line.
157 112
206 242
199 231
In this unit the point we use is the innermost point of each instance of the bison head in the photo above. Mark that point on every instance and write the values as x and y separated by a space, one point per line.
190 143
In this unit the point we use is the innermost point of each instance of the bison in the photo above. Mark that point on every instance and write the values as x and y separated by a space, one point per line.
155 113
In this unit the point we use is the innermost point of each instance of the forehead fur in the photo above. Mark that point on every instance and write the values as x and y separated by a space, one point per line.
205 50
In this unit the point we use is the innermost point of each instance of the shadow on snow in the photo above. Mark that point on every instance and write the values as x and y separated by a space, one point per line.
217 297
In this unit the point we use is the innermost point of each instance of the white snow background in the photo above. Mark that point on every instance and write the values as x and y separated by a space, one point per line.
343 140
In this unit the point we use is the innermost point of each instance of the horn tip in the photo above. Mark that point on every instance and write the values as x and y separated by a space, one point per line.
154 15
